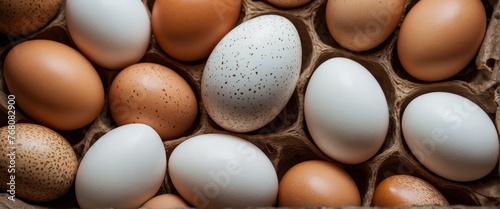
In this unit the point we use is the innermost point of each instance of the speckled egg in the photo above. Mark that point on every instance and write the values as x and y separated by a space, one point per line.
406 191
252 73
155 95
39 164
288 3
19 17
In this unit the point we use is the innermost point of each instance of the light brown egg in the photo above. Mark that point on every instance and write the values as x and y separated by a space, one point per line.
405 191
189 30
19 17
439 38
39 162
288 3
54 84
165 201
361 25
155 95
317 183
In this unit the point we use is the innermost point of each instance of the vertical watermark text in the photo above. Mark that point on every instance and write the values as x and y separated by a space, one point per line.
11 147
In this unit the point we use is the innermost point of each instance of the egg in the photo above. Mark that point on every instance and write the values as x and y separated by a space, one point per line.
288 3
451 136
54 84
155 95
111 33
124 168
37 163
21 17
317 183
346 111
406 191
439 38
222 171
251 74
189 30
166 201
361 25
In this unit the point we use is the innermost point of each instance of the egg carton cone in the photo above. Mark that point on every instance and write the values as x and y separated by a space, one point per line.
286 140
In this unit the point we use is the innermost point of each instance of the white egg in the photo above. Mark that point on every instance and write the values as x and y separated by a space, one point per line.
220 171
451 136
346 111
252 73
111 33
122 169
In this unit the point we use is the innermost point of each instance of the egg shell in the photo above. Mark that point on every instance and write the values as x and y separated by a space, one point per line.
189 30
155 95
451 136
346 111
288 3
123 169
21 17
54 84
38 164
317 183
166 201
219 170
406 191
439 38
361 25
111 33
252 73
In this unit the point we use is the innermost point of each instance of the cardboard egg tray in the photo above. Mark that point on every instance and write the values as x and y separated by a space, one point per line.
286 140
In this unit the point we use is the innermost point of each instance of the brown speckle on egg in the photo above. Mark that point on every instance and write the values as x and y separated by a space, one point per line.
20 17
42 162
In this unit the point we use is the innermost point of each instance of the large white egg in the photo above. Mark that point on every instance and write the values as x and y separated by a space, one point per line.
122 169
451 136
221 171
111 33
346 111
252 73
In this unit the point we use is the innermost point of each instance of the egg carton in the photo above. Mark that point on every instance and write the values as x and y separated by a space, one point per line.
285 140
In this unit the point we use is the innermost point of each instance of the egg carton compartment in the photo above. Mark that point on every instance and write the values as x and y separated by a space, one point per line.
285 140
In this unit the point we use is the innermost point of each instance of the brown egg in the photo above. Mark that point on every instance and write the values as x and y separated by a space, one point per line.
439 38
166 201
317 183
39 164
288 3
19 17
54 84
405 191
154 95
361 25
189 30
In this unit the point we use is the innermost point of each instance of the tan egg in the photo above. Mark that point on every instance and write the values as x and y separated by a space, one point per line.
19 17
189 30
54 84
439 38
288 3
317 183
154 95
39 164
361 25
166 201
405 191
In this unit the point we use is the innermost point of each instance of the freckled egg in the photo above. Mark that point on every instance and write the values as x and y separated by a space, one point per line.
252 73
155 95
166 201
189 30
346 111
288 3
361 25
439 38
111 33
54 84
451 136
317 183
37 163
406 191
18 17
